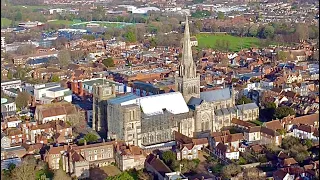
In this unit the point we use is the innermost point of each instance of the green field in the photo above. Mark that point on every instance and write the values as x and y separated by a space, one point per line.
65 22
32 7
5 22
209 40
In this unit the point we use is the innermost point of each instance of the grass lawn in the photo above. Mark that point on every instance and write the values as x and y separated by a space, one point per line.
32 7
5 22
65 22
256 122
209 40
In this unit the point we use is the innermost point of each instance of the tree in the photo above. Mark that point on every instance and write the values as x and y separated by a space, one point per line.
90 137
88 37
25 171
130 36
267 32
54 78
123 176
253 31
61 175
22 100
281 56
302 31
230 170
169 157
108 62
283 111
9 75
308 143
243 100
220 15
251 173
26 49
64 58
77 54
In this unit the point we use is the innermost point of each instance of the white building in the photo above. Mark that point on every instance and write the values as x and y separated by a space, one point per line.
3 42
15 84
305 132
46 93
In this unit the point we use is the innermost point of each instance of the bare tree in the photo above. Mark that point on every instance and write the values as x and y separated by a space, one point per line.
64 58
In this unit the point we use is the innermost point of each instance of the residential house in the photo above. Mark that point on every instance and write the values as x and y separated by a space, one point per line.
274 125
59 130
75 164
304 131
12 122
252 134
53 156
12 152
241 124
128 157
291 121
288 162
226 145
269 136
15 135
186 147
5 141
282 175
98 154
156 166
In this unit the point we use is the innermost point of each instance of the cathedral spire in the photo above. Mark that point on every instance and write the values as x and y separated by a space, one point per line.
187 59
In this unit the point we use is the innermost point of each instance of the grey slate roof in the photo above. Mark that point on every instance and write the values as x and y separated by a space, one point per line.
218 112
216 95
194 101
121 99
57 89
247 106
225 111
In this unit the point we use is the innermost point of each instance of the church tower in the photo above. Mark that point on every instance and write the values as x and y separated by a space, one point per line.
188 80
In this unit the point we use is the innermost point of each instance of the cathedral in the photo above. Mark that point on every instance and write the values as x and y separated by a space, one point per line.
147 121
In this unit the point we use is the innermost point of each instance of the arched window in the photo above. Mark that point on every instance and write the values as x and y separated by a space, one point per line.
159 137
166 136
151 138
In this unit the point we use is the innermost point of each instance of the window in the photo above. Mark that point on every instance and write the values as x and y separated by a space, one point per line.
89 152
95 151
102 150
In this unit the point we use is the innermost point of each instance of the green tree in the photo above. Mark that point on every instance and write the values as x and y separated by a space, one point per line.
267 32
253 31
220 15
18 16
123 176
230 170
108 62
130 36
10 75
243 100
54 78
283 111
88 37
22 100
90 137
169 157
308 143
